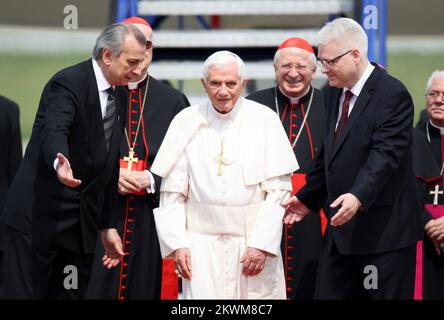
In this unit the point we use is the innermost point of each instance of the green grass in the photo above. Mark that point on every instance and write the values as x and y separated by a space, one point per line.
23 76
414 70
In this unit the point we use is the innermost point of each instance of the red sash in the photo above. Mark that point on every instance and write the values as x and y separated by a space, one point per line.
170 282
436 211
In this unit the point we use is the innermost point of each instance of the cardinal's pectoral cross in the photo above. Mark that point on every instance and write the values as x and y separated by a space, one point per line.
435 194
220 158
130 159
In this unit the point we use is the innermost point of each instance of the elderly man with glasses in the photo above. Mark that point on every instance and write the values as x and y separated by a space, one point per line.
365 172
429 161
301 109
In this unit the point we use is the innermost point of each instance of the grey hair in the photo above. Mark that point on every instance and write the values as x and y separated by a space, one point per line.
344 32
435 75
113 37
223 58
311 56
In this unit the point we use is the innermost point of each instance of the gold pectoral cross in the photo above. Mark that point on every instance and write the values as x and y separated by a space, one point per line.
220 158
130 159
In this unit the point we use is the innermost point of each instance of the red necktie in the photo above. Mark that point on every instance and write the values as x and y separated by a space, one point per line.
344 114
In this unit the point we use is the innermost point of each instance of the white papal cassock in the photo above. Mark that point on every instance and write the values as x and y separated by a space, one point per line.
224 177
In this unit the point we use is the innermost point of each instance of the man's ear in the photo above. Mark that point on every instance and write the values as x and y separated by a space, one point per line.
106 56
202 80
245 82
357 55
313 75
275 68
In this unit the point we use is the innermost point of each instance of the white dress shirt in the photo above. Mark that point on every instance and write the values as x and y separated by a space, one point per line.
356 90
102 85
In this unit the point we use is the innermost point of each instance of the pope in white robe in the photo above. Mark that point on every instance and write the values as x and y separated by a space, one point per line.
226 167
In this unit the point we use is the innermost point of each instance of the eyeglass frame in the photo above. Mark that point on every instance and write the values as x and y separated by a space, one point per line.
287 67
435 95
330 63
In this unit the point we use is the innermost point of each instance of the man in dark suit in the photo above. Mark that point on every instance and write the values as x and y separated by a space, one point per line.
66 188
11 142
151 107
365 172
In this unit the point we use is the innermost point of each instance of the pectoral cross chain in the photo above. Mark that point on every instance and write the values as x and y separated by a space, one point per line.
130 159
220 158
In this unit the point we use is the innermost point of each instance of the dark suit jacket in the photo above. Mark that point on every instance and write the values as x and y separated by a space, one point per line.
68 121
372 160
11 142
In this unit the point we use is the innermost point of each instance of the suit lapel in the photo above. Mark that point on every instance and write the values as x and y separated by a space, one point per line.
358 108
333 115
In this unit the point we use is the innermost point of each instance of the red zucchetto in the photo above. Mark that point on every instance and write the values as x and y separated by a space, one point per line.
296 43
136 20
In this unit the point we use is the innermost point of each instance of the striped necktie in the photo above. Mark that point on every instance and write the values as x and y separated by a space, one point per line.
108 120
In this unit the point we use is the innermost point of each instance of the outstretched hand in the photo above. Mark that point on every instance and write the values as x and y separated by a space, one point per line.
295 210
64 172
349 206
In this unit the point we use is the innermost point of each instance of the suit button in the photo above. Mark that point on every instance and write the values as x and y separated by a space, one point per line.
330 170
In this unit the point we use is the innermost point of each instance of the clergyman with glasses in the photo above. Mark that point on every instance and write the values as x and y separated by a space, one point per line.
301 109
428 163
365 172
226 166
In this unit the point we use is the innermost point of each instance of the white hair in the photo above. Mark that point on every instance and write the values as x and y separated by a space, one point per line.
345 32
435 75
223 58
312 57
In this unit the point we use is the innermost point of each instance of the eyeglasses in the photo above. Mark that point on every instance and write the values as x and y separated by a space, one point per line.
289 66
435 95
331 63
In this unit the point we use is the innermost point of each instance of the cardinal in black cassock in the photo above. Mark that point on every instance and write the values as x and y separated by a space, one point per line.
301 110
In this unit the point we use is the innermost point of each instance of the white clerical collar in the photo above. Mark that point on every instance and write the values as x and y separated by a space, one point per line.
102 83
134 85
357 88
226 116
441 129
294 100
